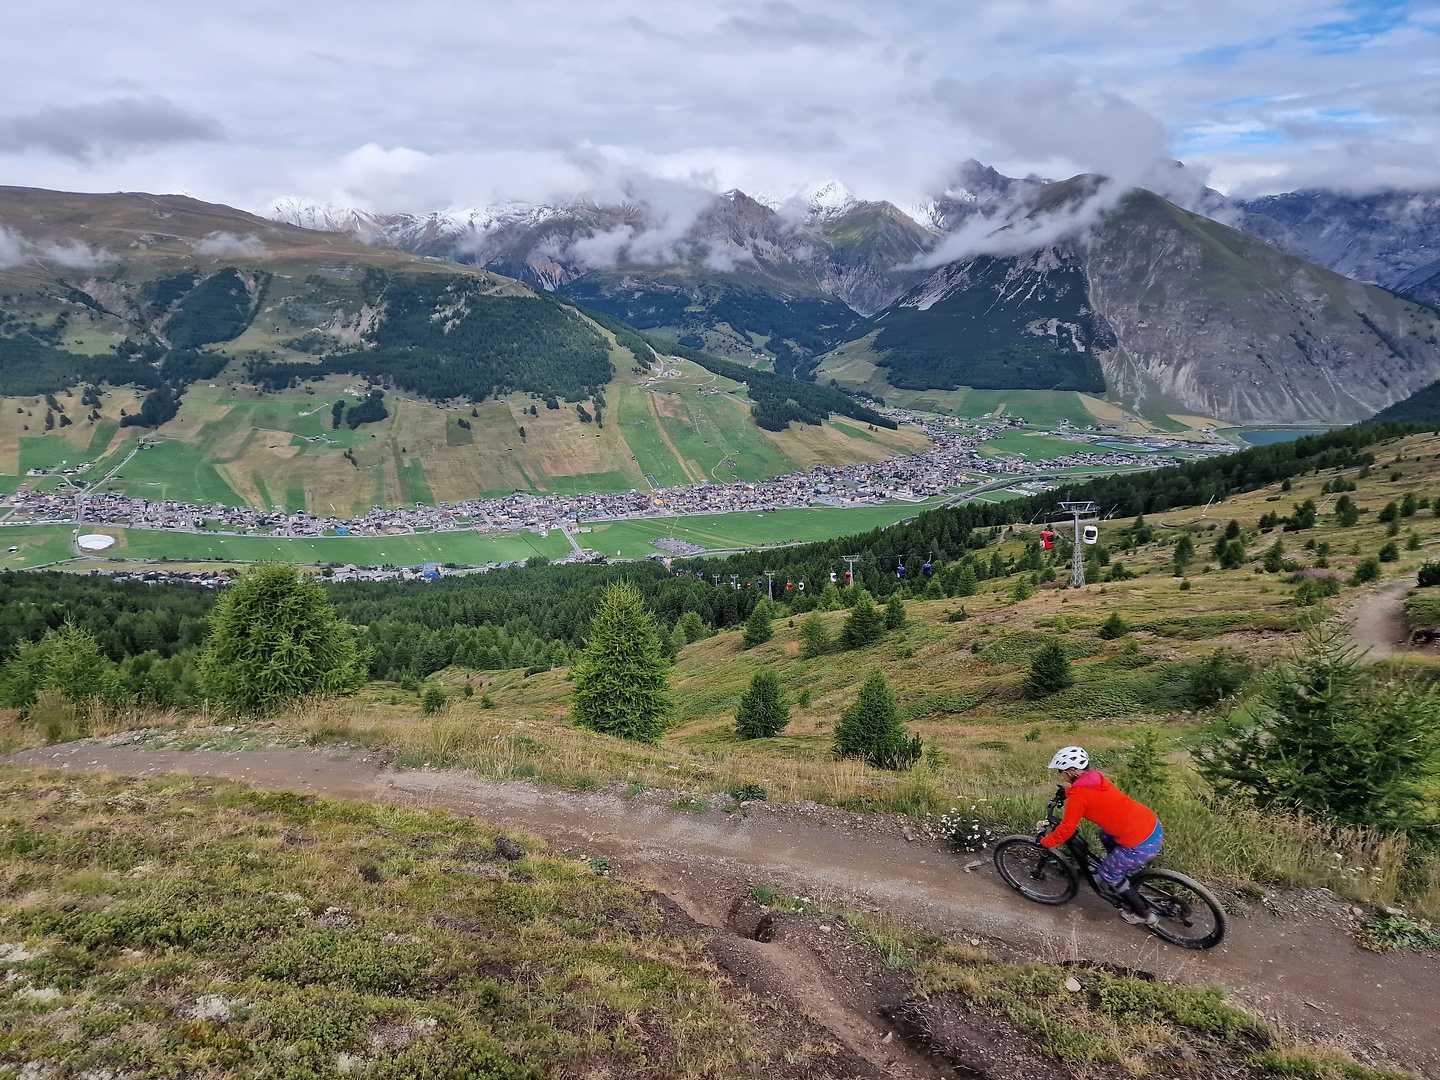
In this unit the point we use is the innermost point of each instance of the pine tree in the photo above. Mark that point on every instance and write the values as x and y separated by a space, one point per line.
692 626
67 661
622 680
675 641
757 627
432 700
895 612
1049 672
814 638
1143 776
275 639
966 584
763 712
865 625
1184 553
1274 560
1113 627
1330 739
871 729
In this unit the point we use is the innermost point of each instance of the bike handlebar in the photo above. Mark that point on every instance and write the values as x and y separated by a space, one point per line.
1053 808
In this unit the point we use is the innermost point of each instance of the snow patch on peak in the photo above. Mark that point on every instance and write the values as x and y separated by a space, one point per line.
827 198
322 217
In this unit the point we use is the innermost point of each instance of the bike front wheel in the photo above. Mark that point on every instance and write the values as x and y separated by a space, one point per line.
1035 872
1189 915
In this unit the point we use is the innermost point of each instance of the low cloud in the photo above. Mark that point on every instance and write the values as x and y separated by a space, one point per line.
669 211
105 129
12 249
1021 228
224 243
17 250
73 255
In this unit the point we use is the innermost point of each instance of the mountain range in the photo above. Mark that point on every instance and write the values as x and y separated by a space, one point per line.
1264 311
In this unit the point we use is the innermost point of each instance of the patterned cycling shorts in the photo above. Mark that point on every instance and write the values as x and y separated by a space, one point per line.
1121 862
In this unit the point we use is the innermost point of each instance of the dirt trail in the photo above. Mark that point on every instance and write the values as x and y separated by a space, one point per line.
1291 958
1378 621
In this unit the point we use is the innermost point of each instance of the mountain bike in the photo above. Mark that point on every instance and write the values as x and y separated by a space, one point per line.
1189 915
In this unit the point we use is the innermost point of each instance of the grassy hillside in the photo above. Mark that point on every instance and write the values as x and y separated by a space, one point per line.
855 366
378 942
232 444
360 940
957 669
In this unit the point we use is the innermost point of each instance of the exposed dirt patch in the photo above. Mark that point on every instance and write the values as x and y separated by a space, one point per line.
1378 621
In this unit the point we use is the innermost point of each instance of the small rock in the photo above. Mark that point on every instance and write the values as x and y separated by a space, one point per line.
909 835
889 1037
974 942
1072 984
210 1007
1394 911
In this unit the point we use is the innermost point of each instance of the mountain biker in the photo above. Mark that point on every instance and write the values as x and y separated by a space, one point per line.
1129 830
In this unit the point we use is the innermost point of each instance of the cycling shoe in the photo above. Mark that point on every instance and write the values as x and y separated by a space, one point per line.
1138 920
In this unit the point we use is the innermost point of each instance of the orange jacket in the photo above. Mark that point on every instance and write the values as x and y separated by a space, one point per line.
1096 799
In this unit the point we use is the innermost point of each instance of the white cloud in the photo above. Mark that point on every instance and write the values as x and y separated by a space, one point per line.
12 248
431 104
224 243
17 250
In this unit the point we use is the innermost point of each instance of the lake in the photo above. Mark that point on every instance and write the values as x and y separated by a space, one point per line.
1267 436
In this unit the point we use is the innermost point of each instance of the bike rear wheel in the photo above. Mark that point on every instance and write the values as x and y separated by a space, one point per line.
1189 915
1035 872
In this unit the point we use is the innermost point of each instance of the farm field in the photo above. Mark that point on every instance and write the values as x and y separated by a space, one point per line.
233 445
632 539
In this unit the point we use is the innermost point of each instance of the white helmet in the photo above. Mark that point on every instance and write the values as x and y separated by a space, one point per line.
1070 757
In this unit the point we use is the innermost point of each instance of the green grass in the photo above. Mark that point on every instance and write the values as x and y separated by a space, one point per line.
465 548
632 539
1032 446
399 943
39 545
172 469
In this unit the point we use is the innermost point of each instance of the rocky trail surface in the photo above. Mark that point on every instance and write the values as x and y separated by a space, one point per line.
1289 955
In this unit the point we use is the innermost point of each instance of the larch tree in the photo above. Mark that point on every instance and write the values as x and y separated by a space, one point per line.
762 713
871 729
622 679
275 639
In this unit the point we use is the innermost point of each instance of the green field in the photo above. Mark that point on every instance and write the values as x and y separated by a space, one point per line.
466 548
1032 445
39 545
632 539
43 544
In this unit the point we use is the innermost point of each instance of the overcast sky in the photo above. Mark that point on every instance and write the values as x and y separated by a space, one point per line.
420 105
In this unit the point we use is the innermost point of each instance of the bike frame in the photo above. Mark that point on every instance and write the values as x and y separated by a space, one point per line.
1081 855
